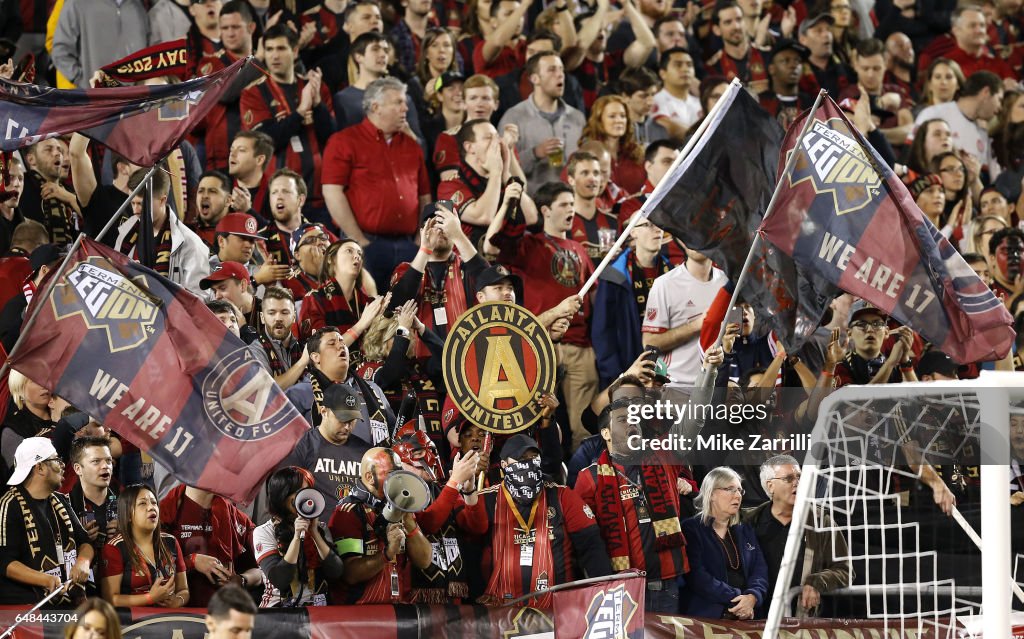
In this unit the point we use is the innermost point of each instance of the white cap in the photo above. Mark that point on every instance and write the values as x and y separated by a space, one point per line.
30 452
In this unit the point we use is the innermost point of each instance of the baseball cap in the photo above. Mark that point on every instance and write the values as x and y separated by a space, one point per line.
343 401
517 445
224 271
860 307
811 21
447 79
30 452
496 274
786 44
241 224
44 255
312 233
936 362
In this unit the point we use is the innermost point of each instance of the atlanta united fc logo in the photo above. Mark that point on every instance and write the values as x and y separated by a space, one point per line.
238 400
833 161
498 361
108 301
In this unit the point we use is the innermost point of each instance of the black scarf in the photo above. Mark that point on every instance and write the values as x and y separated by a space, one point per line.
48 545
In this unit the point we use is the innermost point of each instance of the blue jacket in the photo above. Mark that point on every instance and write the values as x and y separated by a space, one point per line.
615 322
708 593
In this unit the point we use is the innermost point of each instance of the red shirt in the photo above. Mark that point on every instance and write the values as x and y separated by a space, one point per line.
628 174
553 269
446 152
223 121
14 270
509 59
115 557
383 181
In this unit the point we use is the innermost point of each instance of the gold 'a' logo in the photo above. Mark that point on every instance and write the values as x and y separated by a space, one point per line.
830 157
498 360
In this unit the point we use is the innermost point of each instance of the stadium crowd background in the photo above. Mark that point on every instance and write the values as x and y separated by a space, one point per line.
463 153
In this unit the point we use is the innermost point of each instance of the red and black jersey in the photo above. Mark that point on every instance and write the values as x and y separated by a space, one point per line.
639 526
207 233
751 70
35 13
270 107
359 531
260 196
555 268
586 232
222 532
446 153
328 25
223 121
327 306
593 75
785 109
139 581
300 283
280 243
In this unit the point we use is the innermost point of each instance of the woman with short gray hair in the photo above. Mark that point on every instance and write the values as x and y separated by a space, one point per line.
728 576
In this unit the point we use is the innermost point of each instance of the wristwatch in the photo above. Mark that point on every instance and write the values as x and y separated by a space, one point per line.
403 332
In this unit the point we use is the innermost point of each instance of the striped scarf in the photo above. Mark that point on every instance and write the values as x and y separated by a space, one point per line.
511 535
47 545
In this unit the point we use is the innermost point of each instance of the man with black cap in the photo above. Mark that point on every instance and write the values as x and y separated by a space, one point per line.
498 284
43 259
230 281
440 279
936 366
865 363
784 99
541 533
823 69
42 543
330 451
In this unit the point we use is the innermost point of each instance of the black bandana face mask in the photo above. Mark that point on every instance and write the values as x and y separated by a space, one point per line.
523 480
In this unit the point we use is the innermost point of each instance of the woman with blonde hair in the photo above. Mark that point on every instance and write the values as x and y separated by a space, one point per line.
94 619
30 419
728 576
942 79
345 298
610 125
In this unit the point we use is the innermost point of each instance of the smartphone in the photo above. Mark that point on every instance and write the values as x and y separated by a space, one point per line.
431 209
651 354
88 518
735 316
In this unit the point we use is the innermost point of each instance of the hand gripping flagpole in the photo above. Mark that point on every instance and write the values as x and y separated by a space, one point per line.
28 615
653 199
772 203
124 205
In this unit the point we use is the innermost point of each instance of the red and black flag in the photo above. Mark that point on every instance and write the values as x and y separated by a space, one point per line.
147 359
718 195
845 215
165 58
142 123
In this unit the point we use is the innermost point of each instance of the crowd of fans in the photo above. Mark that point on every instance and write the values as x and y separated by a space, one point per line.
386 168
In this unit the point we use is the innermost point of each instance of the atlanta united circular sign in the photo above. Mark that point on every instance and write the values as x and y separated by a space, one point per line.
498 360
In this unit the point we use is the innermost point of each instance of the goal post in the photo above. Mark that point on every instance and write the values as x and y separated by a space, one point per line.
847 478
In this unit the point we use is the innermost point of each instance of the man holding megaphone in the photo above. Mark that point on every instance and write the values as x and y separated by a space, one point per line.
376 532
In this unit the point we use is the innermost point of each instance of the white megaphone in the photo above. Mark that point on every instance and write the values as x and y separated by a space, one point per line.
309 504
404 492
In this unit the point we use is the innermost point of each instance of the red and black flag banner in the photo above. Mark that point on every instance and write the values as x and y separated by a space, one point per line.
142 123
147 359
446 622
719 193
845 215
607 609
166 58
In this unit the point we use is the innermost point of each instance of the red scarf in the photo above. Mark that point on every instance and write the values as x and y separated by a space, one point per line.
662 502
451 294
504 583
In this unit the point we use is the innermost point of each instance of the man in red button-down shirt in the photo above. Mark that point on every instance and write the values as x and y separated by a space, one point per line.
375 180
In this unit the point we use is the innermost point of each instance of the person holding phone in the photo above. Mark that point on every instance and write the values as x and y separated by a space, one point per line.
93 498
143 566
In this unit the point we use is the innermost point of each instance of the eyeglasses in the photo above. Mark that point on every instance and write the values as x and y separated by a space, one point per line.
52 460
789 479
733 490
869 326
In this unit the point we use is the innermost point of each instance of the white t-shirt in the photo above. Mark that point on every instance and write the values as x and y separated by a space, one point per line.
967 134
686 112
676 298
